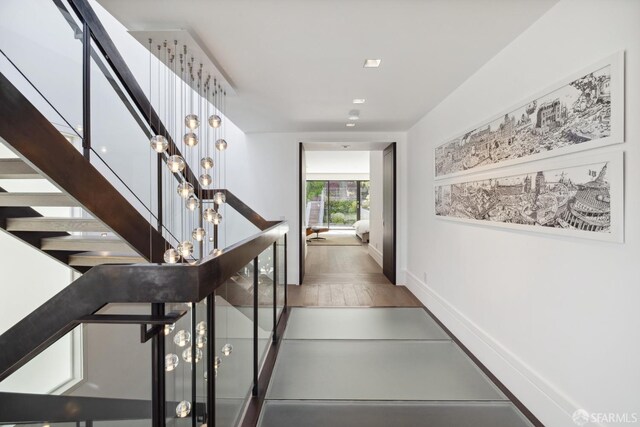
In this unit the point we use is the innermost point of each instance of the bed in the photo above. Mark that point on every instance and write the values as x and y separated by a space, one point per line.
362 230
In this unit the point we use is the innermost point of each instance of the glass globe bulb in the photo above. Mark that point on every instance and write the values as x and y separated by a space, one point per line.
215 121
159 143
171 361
198 234
190 139
201 328
175 163
185 190
219 198
208 214
205 179
221 144
183 409
201 340
185 249
169 328
182 338
192 203
171 256
227 349
217 219
192 121
186 355
206 163
217 362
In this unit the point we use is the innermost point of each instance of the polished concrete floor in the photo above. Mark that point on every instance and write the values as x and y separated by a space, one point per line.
378 367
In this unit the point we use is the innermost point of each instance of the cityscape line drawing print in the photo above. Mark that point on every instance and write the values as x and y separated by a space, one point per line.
583 200
582 112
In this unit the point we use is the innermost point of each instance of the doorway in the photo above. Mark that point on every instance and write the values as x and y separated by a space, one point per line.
341 209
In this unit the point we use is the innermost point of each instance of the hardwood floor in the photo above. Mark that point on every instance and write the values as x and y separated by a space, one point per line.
346 276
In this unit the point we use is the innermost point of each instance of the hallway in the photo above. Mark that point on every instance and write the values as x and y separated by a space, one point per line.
378 367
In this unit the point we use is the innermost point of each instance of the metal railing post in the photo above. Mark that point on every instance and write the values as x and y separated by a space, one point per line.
255 326
158 415
275 291
211 354
86 90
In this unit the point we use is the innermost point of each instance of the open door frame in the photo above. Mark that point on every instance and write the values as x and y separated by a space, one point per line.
389 206
389 196
302 190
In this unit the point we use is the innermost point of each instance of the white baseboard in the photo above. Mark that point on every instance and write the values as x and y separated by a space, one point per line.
545 401
375 254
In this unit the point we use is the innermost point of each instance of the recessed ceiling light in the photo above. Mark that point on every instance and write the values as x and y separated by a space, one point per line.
372 63
103 149
350 125
358 101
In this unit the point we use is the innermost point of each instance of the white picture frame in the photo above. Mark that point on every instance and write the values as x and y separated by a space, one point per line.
553 167
615 136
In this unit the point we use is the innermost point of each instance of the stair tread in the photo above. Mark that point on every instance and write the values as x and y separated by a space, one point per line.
84 243
17 169
90 259
36 199
55 224
109 239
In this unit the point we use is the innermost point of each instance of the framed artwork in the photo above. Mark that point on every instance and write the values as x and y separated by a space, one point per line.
582 197
581 112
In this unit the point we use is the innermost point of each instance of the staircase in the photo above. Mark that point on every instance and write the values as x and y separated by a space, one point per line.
132 311
80 242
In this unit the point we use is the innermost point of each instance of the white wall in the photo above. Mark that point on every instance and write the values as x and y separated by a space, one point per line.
262 169
337 162
556 319
376 204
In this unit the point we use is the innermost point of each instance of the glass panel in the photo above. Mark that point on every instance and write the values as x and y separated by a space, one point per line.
316 209
343 202
266 301
93 360
280 276
234 327
44 44
186 341
119 139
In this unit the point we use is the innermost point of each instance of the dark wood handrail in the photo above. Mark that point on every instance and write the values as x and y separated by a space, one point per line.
141 283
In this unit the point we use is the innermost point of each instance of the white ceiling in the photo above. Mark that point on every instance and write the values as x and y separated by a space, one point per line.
297 64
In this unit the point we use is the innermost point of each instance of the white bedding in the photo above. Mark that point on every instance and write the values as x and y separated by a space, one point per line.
361 227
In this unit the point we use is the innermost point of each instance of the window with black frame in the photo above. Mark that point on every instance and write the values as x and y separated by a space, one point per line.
337 204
